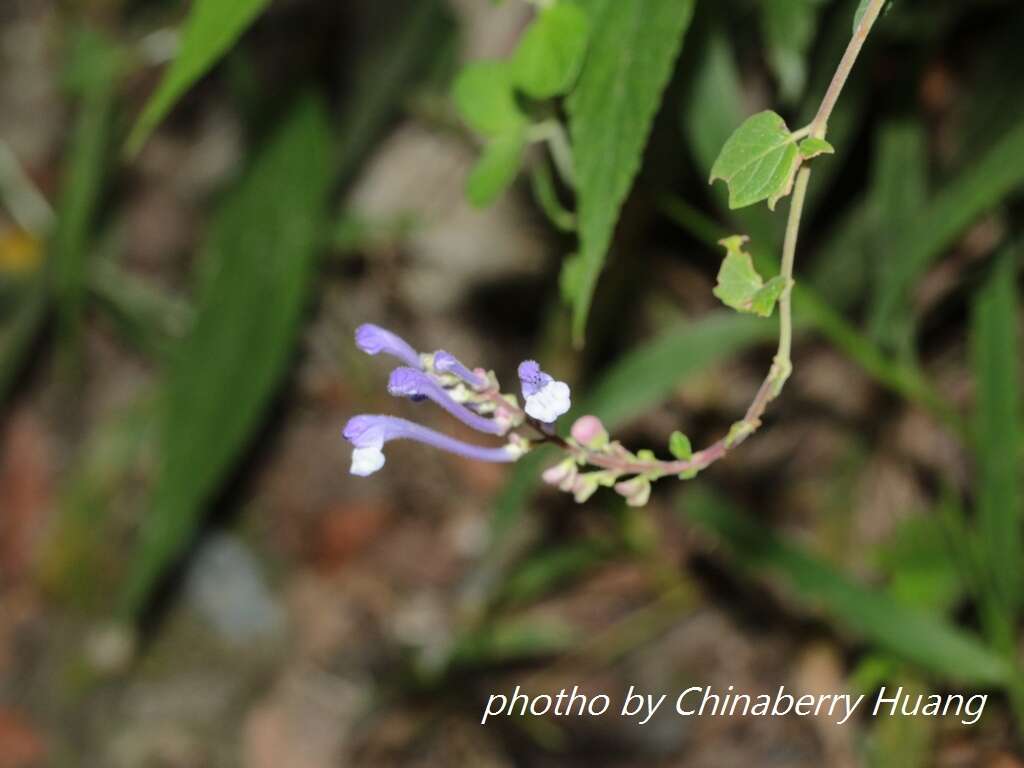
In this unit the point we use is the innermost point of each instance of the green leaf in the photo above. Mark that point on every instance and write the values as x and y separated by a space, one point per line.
812 147
922 566
917 637
680 447
758 162
550 54
740 286
484 97
898 195
996 354
212 28
259 260
496 169
631 57
94 60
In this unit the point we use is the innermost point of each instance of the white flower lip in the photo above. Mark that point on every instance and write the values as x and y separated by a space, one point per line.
367 460
550 402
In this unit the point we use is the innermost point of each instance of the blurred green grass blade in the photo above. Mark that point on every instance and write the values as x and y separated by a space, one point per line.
650 373
788 28
632 53
714 107
404 41
996 358
93 71
930 643
260 256
899 193
545 570
19 331
513 640
212 27
998 172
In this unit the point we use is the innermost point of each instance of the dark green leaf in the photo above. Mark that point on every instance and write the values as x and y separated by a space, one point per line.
211 29
934 645
93 59
899 192
996 348
259 257
632 53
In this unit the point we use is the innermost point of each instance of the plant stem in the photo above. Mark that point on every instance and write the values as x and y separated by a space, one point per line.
819 125
622 462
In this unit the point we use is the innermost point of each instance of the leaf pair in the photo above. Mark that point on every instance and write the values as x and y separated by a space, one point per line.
760 160
545 65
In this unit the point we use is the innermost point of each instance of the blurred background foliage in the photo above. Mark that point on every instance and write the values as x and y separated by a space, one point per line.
200 203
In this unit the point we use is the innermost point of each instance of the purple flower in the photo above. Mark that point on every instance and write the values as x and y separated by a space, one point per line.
369 433
445 362
374 340
546 398
409 382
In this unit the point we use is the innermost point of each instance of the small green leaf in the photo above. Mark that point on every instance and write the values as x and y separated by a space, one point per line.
740 286
496 169
758 162
550 54
213 26
484 97
812 147
679 446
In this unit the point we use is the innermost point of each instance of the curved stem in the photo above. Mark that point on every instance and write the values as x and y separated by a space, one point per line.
782 365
